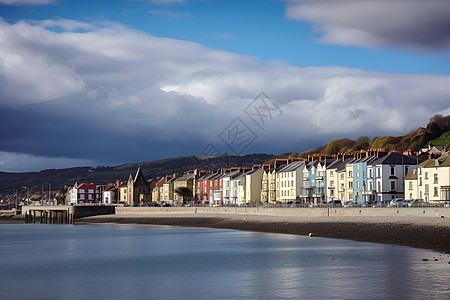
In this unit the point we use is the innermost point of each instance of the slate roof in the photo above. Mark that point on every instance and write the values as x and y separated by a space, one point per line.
232 174
412 175
443 161
185 177
394 158
291 167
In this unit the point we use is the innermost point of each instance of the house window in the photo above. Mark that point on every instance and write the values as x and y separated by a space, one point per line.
90 196
370 185
332 193
81 191
379 186
427 189
350 173
420 181
82 197
435 179
332 183
342 176
91 191
392 170
331 174
436 193
410 185
357 184
392 185
357 173
426 175
350 185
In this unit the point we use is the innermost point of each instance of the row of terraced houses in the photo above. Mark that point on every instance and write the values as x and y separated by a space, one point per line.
368 176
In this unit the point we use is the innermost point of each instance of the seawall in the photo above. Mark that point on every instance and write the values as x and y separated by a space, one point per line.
295 212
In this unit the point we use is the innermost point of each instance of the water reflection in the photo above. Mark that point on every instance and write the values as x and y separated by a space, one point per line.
109 261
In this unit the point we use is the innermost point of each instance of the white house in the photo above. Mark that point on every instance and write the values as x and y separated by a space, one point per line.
226 186
385 176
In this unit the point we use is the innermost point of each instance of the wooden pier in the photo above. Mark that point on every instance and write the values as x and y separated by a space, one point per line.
62 214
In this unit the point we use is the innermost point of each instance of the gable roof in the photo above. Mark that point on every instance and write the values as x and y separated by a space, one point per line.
442 161
291 167
139 175
411 175
395 158
185 177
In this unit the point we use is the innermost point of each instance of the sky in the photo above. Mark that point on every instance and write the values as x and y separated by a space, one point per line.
92 83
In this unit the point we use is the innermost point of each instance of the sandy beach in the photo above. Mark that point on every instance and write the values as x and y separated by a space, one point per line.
418 232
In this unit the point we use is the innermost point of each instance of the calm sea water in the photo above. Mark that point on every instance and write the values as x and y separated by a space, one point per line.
155 262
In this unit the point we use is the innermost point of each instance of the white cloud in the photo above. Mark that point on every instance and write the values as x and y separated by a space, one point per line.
26 2
124 91
415 24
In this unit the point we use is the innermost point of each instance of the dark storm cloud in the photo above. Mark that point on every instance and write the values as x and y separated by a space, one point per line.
415 24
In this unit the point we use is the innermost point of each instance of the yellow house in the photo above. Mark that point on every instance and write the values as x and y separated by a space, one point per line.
290 181
123 193
186 181
434 179
411 188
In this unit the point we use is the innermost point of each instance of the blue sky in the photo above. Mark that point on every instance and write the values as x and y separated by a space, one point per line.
109 82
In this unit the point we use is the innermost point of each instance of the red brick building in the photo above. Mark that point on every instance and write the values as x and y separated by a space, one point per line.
86 193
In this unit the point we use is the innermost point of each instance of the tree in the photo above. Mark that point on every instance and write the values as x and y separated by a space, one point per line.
363 139
62 193
184 192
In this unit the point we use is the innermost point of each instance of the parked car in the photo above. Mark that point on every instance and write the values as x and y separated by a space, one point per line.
167 205
335 203
369 204
297 204
416 203
383 203
397 202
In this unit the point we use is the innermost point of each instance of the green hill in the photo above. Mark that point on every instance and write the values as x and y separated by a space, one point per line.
436 133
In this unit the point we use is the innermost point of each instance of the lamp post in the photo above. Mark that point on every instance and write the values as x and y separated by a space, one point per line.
28 194
49 190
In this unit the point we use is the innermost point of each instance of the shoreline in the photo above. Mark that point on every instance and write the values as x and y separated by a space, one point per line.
416 232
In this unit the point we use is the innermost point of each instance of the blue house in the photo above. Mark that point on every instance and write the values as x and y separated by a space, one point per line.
360 178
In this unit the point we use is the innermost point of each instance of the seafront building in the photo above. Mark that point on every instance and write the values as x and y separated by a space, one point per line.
226 189
360 178
185 181
289 180
379 177
386 175
434 179
253 183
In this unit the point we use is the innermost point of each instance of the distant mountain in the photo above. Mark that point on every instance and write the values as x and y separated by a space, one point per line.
436 133
103 175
